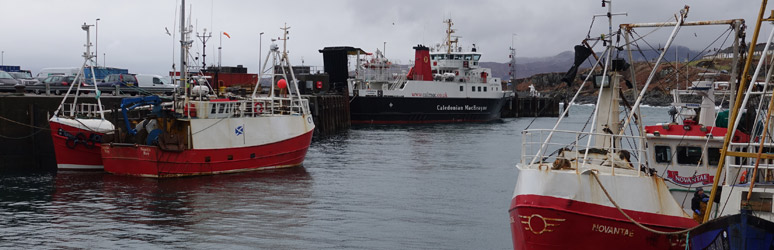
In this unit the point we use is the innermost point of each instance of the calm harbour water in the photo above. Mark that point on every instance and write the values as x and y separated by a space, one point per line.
373 187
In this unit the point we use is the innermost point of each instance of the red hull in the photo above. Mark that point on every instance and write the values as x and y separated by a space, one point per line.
150 161
544 222
75 151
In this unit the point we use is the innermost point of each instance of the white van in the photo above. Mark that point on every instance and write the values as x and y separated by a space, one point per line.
156 82
46 72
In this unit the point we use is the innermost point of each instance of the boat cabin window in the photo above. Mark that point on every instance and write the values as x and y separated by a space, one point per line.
688 155
457 57
432 57
462 88
476 57
713 156
484 88
663 154
473 88
479 88
468 57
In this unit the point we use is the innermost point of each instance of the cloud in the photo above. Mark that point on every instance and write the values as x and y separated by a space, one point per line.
132 34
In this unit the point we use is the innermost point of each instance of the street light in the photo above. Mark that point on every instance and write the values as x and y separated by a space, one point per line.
260 49
96 41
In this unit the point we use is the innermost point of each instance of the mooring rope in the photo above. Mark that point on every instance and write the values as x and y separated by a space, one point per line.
23 137
23 124
630 218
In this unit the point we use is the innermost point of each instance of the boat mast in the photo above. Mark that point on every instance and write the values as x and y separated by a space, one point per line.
87 56
732 119
449 41
183 54
608 95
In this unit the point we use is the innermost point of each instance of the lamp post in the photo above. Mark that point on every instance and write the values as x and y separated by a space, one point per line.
96 42
260 50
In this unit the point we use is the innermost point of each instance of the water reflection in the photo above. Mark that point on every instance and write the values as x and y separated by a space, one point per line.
61 209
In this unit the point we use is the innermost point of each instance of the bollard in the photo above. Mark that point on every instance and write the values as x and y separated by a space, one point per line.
19 89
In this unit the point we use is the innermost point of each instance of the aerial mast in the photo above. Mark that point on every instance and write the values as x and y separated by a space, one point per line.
204 37
449 32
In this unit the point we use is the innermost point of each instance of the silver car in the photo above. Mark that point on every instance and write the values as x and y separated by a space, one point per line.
7 80
24 77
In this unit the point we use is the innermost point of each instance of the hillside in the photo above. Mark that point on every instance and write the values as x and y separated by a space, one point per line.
665 79
529 66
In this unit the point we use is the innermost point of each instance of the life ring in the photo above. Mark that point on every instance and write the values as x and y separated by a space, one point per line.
743 177
259 107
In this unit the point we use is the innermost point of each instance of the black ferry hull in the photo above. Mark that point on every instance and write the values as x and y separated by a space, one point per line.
402 110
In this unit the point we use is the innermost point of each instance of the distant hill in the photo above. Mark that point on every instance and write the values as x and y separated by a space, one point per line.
529 66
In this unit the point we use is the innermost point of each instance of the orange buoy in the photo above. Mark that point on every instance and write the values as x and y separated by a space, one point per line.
282 83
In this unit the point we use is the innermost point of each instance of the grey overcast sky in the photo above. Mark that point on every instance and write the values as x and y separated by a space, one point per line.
46 33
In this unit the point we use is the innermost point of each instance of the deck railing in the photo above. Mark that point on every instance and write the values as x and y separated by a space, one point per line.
739 166
82 110
573 143
249 108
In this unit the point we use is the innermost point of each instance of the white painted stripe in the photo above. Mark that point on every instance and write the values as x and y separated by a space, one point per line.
80 166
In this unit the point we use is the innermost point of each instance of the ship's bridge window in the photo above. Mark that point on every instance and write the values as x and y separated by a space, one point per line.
688 155
468 57
713 156
457 57
663 154
476 57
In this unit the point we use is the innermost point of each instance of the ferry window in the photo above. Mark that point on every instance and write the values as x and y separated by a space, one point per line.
468 57
475 63
688 155
462 88
457 57
713 156
479 88
432 57
473 88
484 88
663 154
476 57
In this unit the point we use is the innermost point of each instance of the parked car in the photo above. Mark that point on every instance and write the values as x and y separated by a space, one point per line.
58 80
46 72
25 77
65 81
7 80
124 80
156 82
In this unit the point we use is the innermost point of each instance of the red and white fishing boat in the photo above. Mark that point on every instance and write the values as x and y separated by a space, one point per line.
601 195
686 151
78 129
202 137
